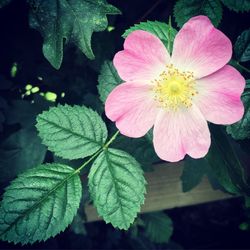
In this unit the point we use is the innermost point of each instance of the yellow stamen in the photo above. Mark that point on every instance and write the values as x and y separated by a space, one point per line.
174 89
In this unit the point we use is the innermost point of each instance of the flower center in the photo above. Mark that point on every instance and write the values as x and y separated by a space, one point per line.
174 89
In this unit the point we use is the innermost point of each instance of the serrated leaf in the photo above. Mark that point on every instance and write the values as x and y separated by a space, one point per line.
226 165
237 5
193 172
22 150
73 21
117 187
108 80
185 9
72 132
158 227
242 46
159 29
241 129
39 204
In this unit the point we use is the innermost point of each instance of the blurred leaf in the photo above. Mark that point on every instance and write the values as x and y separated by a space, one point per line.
158 227
226 165
92 101
159 29
25 112
247 202
4 83
193 173
72 132
102 50
242 46
2 119
71 21
4 3
241 129
19 152
39 204
140 148
185 9
108 80
117 187
237 5
77 226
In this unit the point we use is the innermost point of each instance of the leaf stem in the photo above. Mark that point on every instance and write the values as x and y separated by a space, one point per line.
78 170
111 139
242 67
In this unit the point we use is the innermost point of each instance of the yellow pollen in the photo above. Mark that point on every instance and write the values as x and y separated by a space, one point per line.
174 89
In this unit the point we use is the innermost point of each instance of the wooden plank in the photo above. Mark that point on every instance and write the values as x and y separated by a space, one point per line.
164 191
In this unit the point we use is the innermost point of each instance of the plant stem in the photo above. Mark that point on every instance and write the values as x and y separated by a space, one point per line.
111 139
242 67
148 11
78 170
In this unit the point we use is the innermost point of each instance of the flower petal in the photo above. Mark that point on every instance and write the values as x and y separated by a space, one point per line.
200 47
179 133
143 58
219 96
132 107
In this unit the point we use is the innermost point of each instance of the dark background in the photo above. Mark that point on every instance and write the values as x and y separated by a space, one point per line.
207 226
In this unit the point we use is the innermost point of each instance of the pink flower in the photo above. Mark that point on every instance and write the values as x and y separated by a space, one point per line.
178 94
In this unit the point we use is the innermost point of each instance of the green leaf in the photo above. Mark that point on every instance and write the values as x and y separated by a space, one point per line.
117 187
108 80
39 204
185 9
237 5
242 46
22 150
158 227
193 173
226 165
241 129
72 132
161 30
73 21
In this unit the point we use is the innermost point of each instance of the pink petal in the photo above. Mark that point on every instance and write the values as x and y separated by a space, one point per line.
219 96
179 133
200 47
132 107
143 58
